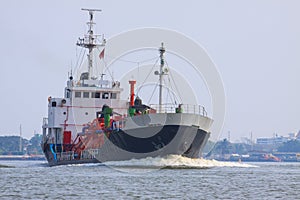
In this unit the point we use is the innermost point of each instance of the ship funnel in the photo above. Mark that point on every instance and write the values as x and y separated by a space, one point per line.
132 83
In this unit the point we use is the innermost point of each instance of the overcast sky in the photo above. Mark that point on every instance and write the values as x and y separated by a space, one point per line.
255 45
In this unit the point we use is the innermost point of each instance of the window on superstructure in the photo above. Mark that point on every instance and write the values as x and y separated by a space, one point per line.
53 103
113 95
68 94
105 95
96 95
77 94
86 95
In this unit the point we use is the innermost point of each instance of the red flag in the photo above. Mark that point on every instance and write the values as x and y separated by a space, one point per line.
101 55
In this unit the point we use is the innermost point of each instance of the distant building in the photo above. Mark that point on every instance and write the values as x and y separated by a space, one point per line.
274 140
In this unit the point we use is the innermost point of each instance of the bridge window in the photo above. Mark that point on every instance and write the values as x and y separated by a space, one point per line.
113 95
105 95
77 94
86 95
53 103
96 95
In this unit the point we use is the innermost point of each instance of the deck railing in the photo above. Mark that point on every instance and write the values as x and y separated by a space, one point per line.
69 155
185 108
89 153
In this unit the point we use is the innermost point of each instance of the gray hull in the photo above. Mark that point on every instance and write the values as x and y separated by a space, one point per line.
120 145
198 144
169 139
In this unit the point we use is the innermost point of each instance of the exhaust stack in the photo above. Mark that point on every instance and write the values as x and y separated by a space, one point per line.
132 83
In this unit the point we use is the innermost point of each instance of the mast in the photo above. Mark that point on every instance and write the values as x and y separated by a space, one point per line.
90 40
161 73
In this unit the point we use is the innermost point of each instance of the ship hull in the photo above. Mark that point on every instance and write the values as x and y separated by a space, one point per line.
137 143
196 148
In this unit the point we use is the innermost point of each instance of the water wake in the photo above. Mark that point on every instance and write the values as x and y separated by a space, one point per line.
174 162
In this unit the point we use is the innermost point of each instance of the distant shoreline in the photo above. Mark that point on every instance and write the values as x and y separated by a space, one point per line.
6 166
22 157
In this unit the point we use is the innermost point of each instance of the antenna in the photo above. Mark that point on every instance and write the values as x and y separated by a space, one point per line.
91 9
20 147
91 13
161 73
251 138
71 72
89 40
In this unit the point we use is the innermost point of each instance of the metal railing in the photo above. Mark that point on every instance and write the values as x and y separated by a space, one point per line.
65 155
70 155
89 153
45 121
185 108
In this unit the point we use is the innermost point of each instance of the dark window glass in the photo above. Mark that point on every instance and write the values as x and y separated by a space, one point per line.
86 95
96 95
113 95
77 94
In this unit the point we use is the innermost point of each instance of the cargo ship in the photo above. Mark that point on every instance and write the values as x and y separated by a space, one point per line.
92 124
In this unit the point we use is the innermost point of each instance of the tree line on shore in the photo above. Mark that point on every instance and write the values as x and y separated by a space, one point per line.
10 145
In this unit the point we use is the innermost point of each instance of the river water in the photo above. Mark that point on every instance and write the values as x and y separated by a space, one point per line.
173 177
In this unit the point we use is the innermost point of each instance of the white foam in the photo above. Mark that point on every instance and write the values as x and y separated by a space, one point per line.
174 161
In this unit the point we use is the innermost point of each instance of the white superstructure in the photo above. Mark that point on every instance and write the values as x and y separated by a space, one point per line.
83 98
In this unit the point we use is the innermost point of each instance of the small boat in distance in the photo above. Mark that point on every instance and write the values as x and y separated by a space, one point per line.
92 124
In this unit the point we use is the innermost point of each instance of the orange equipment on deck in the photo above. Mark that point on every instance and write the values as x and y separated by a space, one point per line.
132 83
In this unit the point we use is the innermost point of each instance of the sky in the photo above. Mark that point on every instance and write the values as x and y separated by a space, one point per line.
254 44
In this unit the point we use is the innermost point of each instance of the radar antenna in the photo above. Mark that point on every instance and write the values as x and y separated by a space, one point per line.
89 40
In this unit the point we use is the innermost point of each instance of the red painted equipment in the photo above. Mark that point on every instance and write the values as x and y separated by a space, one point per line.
132 83
67 137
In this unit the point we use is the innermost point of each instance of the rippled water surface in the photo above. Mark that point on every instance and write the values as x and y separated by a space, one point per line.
151 178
